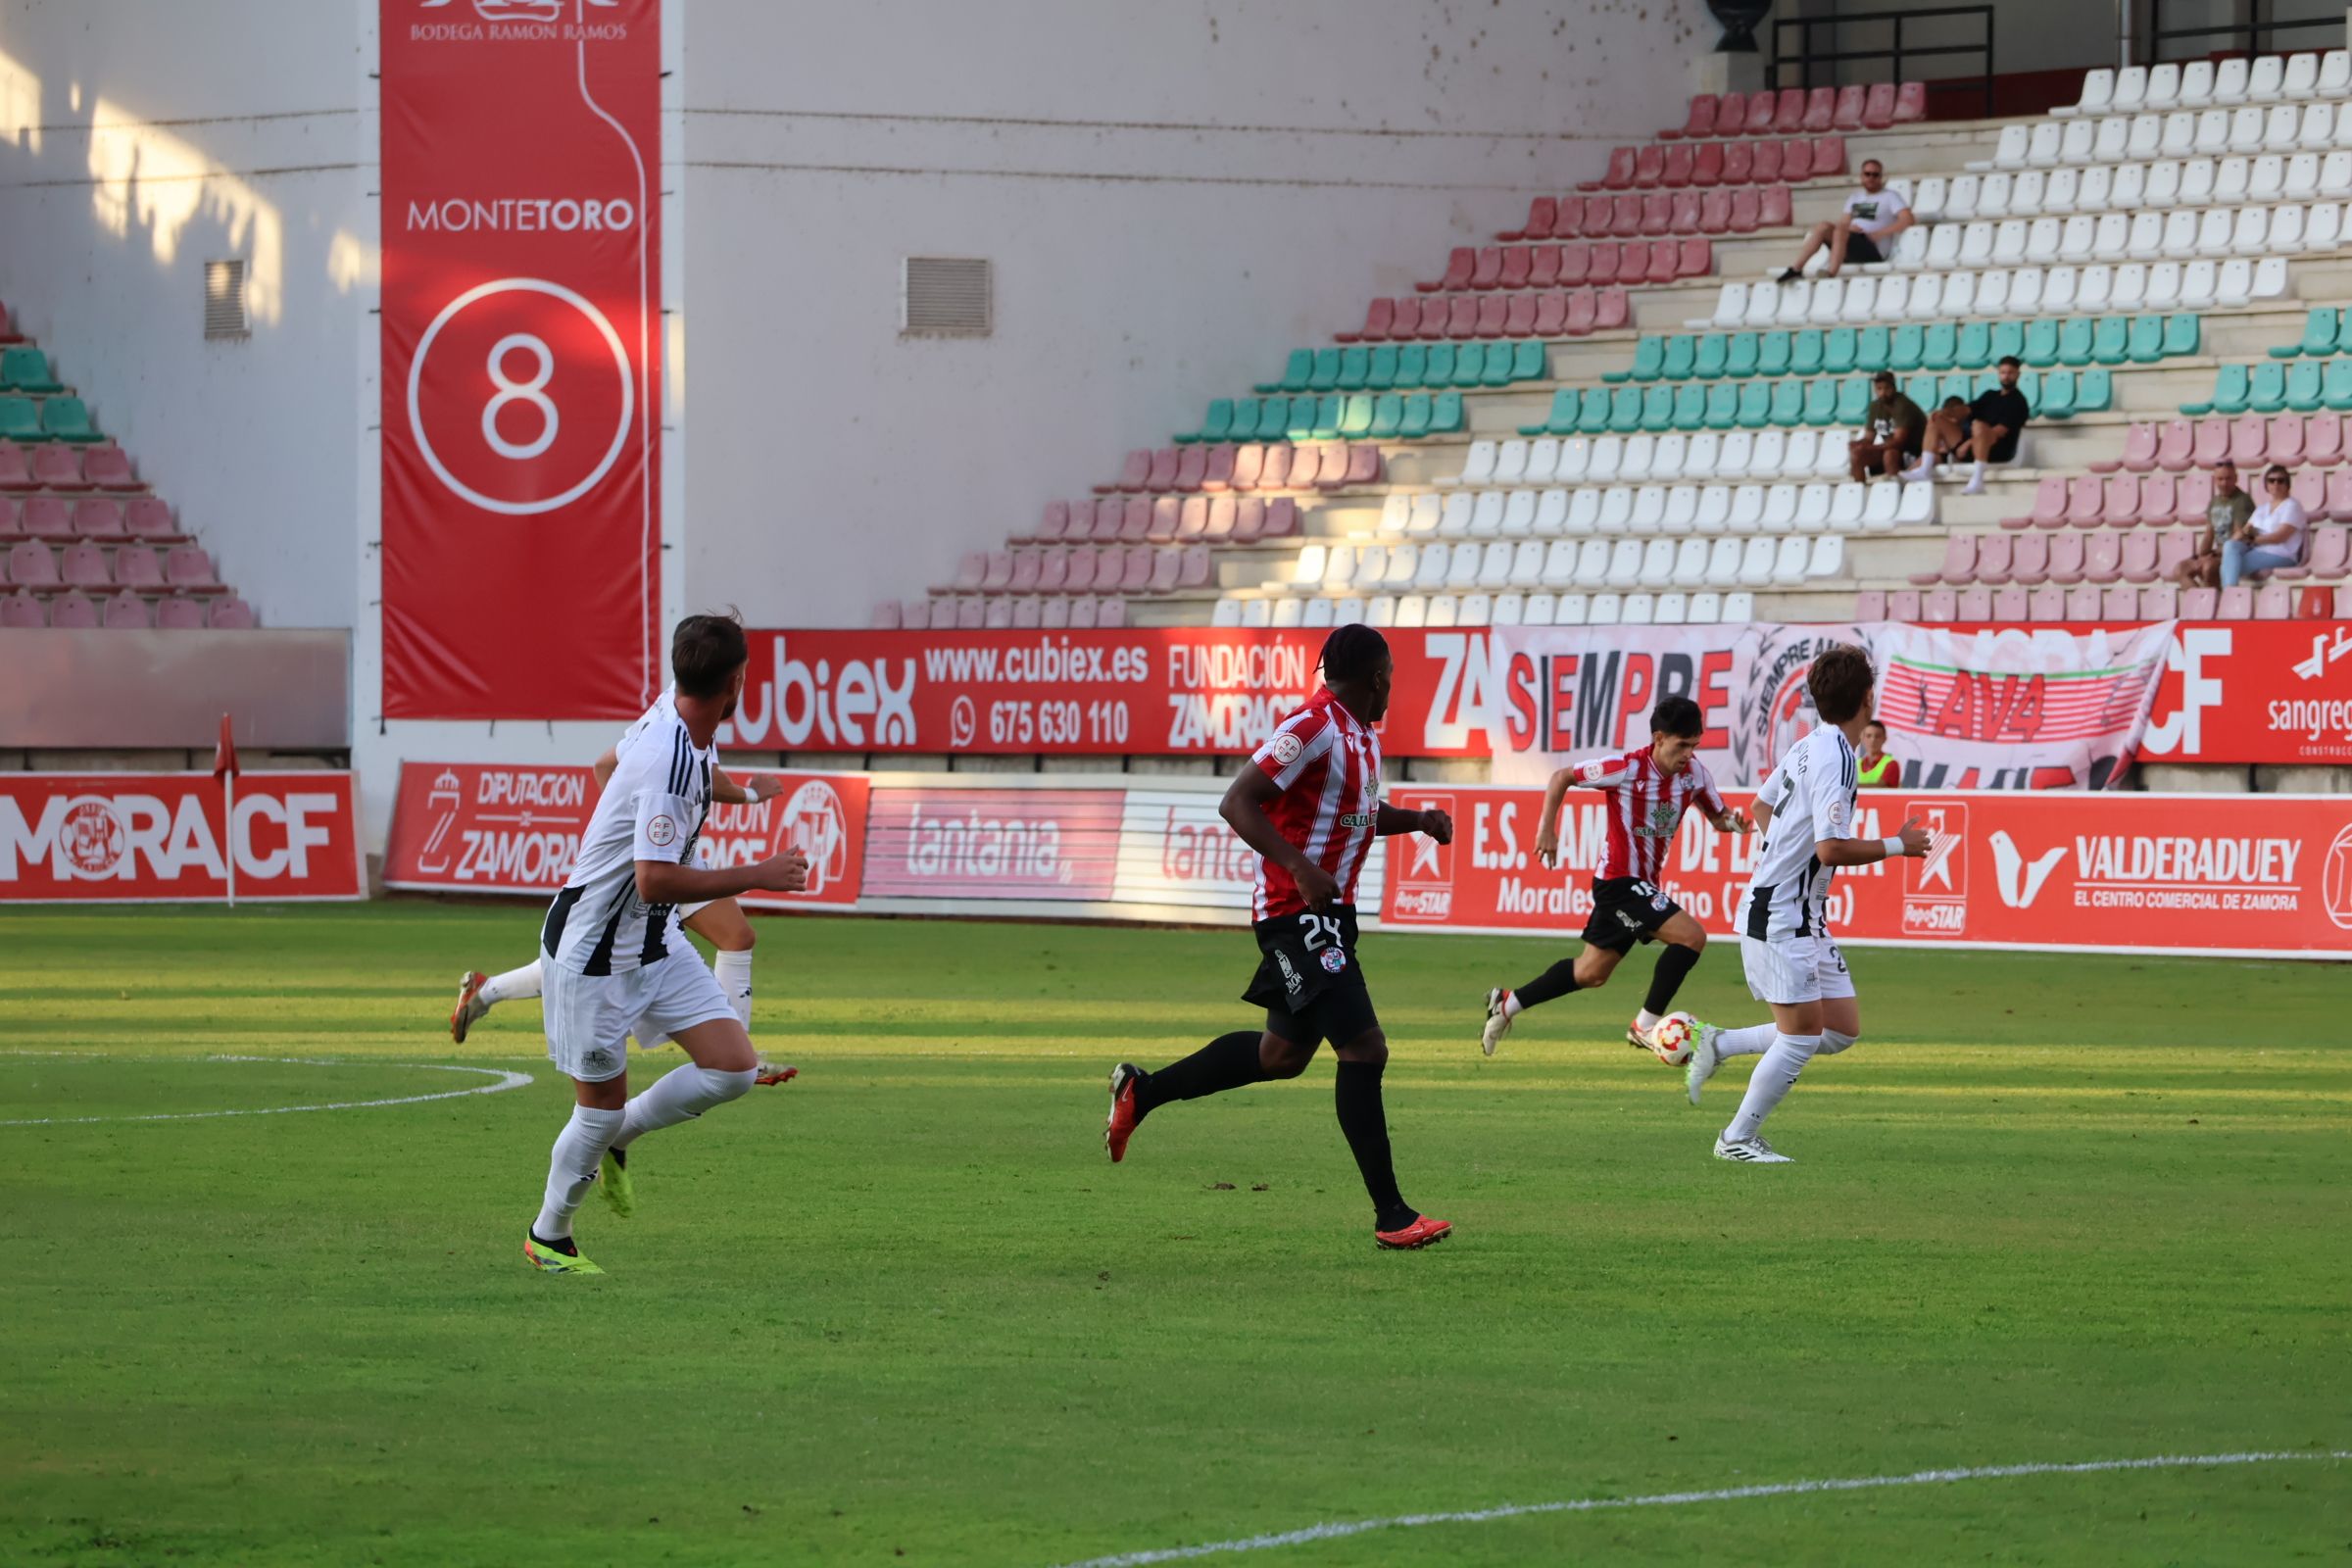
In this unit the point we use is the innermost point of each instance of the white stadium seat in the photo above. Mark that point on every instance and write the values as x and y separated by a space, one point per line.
2131 289
2267 81
1604 611
1992 292
2057 291
1552 514
1681 508
1289 613
2064 192
1672 610
1319 613
2130 89
2180 138
1886 500
2041 150
1911 249
1519 514
1756 562
2010 151
2147 136
2092 285
2213 131
1511 463
2302 75
1959 295
2164 86
2196 85
2098 91
2324 227
2091 195
1932 192
2336 73
1486 516
2281 126
1927 298
2269 178
2269 278
2246 129
1444 610
2110 239
1723 563
1477 467
2200 284
2230 82
1848 502
1706 609
2164 285
1789 560
2302 181
2136 182
1571 609
1960 200
1540 610
1477 609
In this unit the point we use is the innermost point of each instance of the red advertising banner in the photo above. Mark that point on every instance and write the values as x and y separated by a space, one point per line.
2257 875
160 838
1168 690
522 351
1012 844
475 827
2255 691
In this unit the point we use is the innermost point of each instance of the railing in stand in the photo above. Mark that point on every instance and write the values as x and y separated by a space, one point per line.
2251 36
1808 54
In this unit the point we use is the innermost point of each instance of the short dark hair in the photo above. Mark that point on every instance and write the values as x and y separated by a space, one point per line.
1886 376
1838 680
2008 359
1955 402
1677 715
1875 724
1353 652
706 652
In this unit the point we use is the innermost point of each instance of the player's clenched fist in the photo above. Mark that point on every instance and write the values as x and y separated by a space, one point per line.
1438 825
1915 839
784 873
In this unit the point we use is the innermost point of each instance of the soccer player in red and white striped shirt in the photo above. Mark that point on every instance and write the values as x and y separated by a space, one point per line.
1648 791
1309 803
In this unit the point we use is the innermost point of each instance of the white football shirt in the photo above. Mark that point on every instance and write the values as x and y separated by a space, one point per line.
1812 797
653 808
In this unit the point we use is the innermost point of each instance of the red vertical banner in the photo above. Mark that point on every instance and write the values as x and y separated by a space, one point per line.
521 352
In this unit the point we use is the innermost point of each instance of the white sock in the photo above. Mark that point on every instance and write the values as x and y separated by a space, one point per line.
679 1095
512 986
1772 1080
1512 1007
1832 1041
1645 1020
734 971
1975 472
1927 463
571 1166
1753 1041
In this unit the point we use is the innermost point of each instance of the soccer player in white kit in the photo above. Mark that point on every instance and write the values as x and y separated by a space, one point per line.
1806 808
616 962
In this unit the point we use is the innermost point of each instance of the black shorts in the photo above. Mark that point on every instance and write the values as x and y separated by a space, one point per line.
1861 249
1626 910
1308 979
2005 448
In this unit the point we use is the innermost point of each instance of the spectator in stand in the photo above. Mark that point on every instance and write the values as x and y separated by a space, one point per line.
1863 232
1892 437
2229 511
1879 771
2271 538
1986 429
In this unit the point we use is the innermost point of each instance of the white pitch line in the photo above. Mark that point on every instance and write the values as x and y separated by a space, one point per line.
506 1081
1666 1500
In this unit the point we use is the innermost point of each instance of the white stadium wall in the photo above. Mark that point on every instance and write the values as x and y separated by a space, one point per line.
1173 192
139 141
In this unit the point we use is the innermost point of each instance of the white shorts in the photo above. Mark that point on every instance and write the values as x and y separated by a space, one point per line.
1793 969
591 1016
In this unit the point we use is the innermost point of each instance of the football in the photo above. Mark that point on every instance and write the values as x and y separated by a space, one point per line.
1669 1041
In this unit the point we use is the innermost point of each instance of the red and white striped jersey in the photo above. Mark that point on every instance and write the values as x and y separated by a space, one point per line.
1327 761
1645 808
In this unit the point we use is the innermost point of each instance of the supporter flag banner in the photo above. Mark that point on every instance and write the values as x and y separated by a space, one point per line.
521 347
1151 691
2007 707
473 827
2255 691
165 838
2251 875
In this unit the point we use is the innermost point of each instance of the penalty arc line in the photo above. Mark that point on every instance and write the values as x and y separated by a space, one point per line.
506 1081
1665 1499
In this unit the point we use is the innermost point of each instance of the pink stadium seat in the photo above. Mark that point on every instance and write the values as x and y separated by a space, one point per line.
1993 558
21 611
1715 212
1027 565
1110 613
1632 265
2311 490
1939 605
1584 309
1869 604
189 570
1625 216
1706 165
2159 603
1281 519
2339 495
2083 603
2103 558
108 466
1167 515
2046 603
1054 615
75 609
1165 566
1910 102
1333 471
1194 522
48 518
1619 174
2274 601
1797 161
84 566
1218 525
1959 561
1747 210
1849 114
179 614
1306 465
1570 224
2198 603
2330 551
1675 173
31 566
1079 574
1829 156
1695 259
2009 605
2139 564
1487 272
1135 519
12 523
1248 521
1739 163
1665 259
1820 109
2030 559
1877 109
1552 313
99 518
2119 602
1134 474
2195 495
58 467
2212 441
2236 604
2066 558
1137 577
1052 570
1363 466
1576 261
1657 215
1461 319
1196 568
1492 312
971 615
2139 452
1276 475
1108 515
1681 215
2159 498
1761 107
2087 502
968 573
2049 502
1024 614
1775 207
2177 446
1701 120
1731 115
2172 547
2249 440
1544 265
2286 439
126 611
15 470
1379 316
1612 310
1249 467
1459 265
1766 166
1191 463
1789 112
1596 213
138 567
1604 262
1055 524
2121 499
1540 215
1902 604
1650 165
2324 438
1517 265
1160 473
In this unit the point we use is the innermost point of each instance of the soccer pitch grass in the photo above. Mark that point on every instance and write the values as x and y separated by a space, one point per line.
2052 1209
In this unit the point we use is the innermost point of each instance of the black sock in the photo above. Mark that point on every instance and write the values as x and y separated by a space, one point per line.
1667 978
1557 981
1228 1061
1355 1094
568 1246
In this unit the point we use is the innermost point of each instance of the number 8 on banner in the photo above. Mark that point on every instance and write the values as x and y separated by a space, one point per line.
460 322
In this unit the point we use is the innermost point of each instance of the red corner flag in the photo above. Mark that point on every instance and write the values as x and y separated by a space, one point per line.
224 754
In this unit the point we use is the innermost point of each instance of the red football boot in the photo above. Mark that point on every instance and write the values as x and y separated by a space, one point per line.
1121 1125
1422 1232
770 1072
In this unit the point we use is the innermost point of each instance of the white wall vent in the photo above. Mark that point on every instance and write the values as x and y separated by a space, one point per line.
941 296
225 300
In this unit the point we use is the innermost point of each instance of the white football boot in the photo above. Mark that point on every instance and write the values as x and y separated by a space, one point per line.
1498 1021
1750 1152
1703 1060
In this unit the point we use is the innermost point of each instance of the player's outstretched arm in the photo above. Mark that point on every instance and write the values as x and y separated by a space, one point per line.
752 791
1244 809
1912 840
1394 820
666 882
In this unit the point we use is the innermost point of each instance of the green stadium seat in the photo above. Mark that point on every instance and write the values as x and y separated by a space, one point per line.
1975 350
1217 426
1691 405
1657 408
2057 395
1500 369
1940 349
1908 350
1327 371
1838 349
1388 416
1245 419
1440 365
1740 358
2266 388
1355 419
2320 327
2304 390
2008 340
1417 411
1963 384
1805 352
2095 391
1682 357
1625 410
1755 405
1874 349
1531 361
1293 374
20 420
1787 404
1772 353
1919 388
2335 386
1302 423
1566 403
2076 337
1714 351
1469 365
2147 339
1445 414
1273 420
2041 341
1382 373
1355 368
2029 382
2111 341
1412 366
1723 406
1854 400
1593 415
2183 333
2229 388
68 420
1650 360
26 369
1329 411
1821 402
